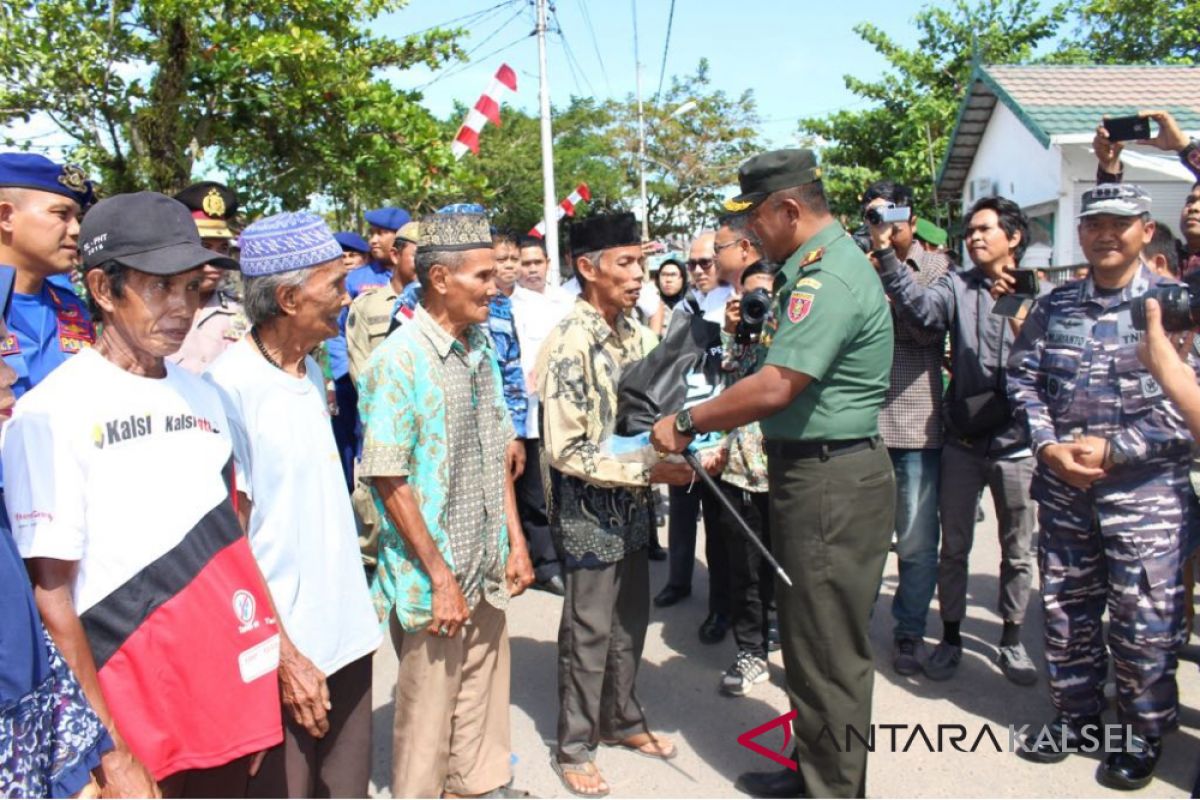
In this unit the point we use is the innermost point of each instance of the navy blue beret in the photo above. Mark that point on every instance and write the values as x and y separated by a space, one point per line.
390 219
31 171
352 241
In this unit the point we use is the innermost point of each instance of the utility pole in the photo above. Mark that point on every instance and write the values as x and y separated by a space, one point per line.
641 129
549 201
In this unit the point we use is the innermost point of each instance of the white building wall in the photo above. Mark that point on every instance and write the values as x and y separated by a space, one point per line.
1014 162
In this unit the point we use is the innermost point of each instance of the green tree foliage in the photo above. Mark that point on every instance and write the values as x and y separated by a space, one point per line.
1135 32
507 171
691 157
284 96
905 131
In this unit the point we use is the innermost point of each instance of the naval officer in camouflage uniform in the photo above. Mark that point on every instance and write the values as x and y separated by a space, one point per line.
818 391
1115 507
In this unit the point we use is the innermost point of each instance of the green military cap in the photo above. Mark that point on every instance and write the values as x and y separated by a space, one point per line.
928 232
770 172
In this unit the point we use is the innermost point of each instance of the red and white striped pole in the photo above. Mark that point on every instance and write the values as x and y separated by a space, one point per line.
565 209
487 109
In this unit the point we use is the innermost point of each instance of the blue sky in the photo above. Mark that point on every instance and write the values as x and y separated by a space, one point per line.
793 54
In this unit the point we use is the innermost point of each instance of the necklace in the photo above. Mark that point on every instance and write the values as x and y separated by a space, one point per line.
262 349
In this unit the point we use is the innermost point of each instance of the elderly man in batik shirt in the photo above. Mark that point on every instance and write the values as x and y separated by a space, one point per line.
435 429
601 511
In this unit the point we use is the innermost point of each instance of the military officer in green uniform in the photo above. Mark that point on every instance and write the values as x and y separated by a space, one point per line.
817 392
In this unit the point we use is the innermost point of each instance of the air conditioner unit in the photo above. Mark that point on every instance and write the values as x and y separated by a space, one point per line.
983 187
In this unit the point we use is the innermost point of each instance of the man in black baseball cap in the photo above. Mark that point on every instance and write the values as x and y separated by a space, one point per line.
120 493
129 243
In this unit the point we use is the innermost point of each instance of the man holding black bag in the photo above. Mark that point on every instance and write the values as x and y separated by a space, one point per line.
985 445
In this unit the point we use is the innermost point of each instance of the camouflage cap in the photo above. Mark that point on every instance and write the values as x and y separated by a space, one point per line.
1117 199
454 232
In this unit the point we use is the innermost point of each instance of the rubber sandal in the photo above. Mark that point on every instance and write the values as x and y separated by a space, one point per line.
637 749
561 770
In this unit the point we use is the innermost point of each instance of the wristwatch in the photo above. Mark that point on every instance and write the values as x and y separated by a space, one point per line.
684 424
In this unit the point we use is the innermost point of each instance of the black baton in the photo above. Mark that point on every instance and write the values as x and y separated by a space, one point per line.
693 460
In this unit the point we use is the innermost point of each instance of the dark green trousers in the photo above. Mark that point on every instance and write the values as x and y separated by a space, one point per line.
831 523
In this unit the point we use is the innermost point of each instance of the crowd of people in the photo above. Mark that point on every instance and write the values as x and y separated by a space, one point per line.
232 459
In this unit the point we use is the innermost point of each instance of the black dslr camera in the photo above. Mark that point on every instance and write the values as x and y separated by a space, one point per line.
756 307
1180 305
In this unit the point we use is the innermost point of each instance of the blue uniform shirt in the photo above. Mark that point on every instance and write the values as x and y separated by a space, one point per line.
508 353
44 329
367 277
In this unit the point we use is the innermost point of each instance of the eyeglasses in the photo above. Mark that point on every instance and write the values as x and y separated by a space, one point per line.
700 263
717 248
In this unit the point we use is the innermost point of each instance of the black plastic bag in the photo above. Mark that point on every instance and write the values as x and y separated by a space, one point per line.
683 370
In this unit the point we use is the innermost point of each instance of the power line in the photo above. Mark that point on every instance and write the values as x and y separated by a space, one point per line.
467 19
587 19
469 57
666 46
572 62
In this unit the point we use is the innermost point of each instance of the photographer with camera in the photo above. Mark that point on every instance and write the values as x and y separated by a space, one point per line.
1170 138
1114 502
910 422
744 478
984 446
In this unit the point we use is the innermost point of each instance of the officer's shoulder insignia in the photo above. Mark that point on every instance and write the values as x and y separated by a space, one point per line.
813 282
799 304
812 257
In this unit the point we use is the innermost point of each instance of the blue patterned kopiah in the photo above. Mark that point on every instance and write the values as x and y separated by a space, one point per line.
287 242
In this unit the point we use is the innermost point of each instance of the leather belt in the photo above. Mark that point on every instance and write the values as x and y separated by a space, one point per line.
788 448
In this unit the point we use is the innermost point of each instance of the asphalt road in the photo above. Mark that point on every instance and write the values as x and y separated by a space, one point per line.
678 683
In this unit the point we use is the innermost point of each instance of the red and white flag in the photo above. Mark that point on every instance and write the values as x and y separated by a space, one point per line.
565 209
487 109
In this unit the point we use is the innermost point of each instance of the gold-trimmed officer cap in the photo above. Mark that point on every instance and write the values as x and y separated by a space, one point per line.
771 172
442 232
212 206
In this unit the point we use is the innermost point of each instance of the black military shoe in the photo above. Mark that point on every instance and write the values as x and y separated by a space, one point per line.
782 783
714 628
1133 768
1060 738
671 595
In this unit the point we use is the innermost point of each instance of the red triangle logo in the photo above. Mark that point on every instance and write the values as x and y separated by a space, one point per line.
747 740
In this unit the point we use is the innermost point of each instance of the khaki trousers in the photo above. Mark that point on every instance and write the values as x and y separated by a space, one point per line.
451 730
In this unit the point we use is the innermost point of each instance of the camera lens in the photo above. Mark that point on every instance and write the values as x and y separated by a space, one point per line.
755 307
1176 303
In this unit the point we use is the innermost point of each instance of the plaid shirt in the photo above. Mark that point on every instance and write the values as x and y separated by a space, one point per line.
911 417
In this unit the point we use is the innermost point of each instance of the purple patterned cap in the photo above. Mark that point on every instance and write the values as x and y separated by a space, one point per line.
287 242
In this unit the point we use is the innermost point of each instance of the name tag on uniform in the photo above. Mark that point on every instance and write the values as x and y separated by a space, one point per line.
1126 333
1067 332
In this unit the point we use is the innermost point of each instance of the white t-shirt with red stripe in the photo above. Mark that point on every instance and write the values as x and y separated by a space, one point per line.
129 477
